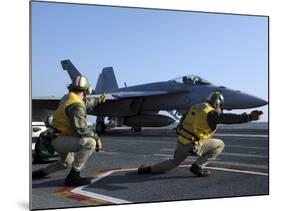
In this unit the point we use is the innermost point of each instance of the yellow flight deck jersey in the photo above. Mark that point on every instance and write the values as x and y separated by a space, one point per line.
61 122
195 127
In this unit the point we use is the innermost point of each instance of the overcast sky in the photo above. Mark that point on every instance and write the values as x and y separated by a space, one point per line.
146 45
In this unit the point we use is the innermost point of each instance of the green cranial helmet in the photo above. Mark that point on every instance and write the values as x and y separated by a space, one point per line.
80 83
215 98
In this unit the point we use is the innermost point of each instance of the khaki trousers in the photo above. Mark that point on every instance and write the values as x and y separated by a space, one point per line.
74 152
207 151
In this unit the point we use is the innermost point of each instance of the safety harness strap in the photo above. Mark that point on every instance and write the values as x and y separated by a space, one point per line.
190 133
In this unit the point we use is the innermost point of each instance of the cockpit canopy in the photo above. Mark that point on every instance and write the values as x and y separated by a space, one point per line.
191 79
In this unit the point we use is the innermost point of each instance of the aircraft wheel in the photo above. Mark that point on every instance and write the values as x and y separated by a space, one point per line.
100 127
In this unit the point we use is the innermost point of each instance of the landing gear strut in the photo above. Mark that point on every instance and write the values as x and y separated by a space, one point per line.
100 125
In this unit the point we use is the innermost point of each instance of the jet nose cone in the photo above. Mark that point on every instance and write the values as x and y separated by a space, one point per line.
252 101
239 100
261 102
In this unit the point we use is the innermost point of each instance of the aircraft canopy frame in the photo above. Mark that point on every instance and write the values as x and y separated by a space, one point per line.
191 79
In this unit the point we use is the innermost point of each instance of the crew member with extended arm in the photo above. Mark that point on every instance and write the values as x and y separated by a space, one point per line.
69 134
195 135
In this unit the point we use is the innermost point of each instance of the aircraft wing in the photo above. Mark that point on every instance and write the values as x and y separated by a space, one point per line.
51 101
129 94
121 95
107 96
43 107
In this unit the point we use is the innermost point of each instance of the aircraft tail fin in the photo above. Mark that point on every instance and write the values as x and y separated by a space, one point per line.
106 81
70 68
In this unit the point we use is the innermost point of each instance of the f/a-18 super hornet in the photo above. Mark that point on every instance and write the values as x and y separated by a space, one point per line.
138 106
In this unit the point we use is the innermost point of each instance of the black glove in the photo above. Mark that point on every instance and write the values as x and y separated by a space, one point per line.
101 99
255 115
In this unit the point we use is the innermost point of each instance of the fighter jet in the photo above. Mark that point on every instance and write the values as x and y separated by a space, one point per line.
139 106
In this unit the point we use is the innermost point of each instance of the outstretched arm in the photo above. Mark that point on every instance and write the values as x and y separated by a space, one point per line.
93 101
215 118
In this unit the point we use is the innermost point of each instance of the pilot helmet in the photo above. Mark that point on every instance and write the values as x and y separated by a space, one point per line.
80 83
215 99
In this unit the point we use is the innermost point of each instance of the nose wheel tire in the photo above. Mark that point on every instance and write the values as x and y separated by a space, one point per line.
100 127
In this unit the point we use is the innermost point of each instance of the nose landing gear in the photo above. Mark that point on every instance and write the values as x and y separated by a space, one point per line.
100 125
136 129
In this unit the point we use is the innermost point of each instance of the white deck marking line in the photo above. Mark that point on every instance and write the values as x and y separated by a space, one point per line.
108 152
162 155
223 153
227 146
92 181
232 170
113 200
79 191
145 141
239 171
244 155
101 197
242 135
245 147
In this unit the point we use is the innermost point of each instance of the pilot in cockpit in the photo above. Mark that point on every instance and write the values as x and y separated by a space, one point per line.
186 80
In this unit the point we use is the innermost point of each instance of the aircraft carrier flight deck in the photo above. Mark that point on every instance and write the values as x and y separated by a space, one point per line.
241 170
